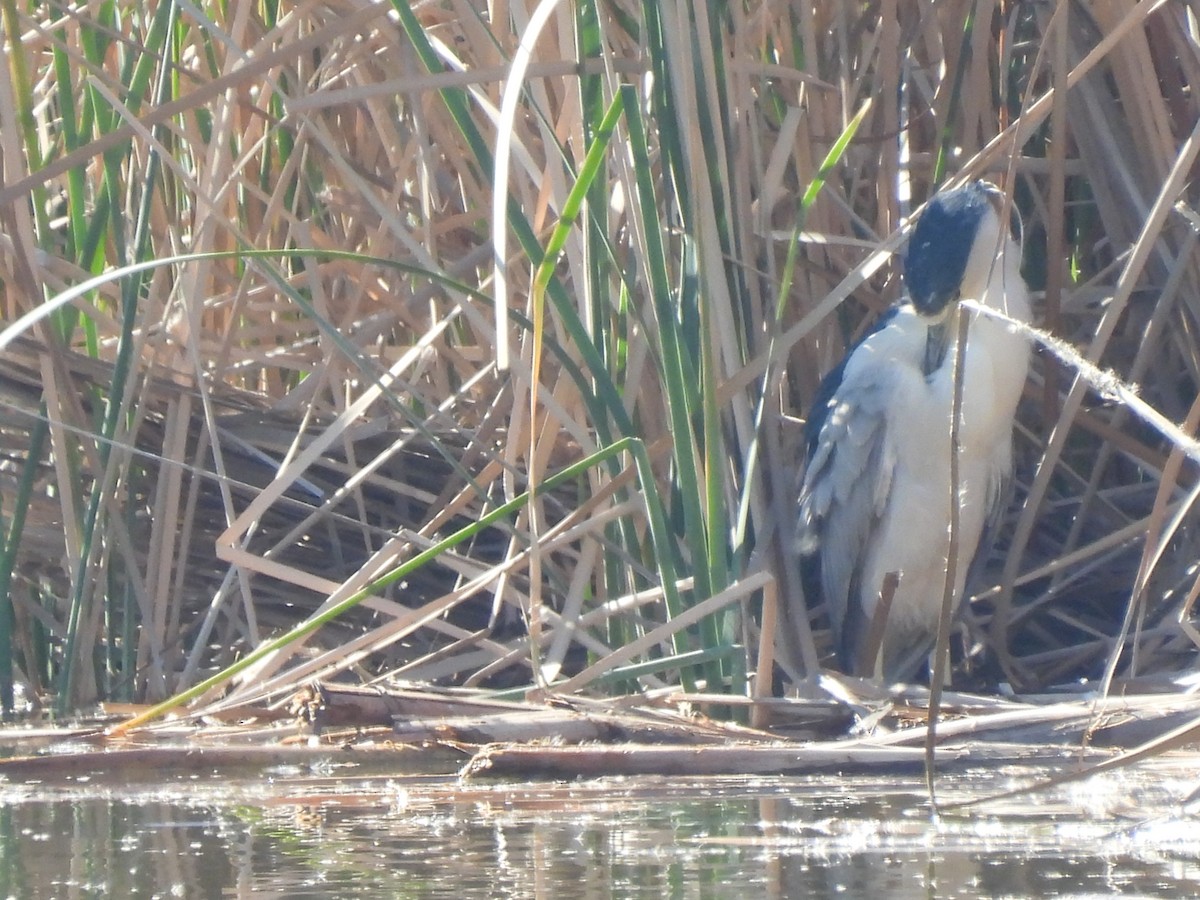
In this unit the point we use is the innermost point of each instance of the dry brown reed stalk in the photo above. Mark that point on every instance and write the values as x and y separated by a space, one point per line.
297 421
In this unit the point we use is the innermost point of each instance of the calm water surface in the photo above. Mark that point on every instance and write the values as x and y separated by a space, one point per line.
298 834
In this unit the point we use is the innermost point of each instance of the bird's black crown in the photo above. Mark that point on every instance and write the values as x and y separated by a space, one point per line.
941 245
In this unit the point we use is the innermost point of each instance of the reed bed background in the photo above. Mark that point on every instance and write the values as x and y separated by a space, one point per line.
259 419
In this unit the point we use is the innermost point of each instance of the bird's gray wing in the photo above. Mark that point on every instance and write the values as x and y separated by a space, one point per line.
845 490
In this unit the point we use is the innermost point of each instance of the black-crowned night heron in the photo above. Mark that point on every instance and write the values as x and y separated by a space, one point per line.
875 498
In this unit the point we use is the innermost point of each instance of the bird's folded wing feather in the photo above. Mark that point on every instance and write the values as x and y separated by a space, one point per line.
847 484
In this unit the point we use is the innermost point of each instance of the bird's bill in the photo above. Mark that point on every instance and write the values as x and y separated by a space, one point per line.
936 340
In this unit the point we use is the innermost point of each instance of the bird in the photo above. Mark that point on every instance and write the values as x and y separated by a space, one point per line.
874 497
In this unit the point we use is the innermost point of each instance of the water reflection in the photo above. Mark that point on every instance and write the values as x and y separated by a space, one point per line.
295 836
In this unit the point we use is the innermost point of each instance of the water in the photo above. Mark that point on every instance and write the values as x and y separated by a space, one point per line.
298 833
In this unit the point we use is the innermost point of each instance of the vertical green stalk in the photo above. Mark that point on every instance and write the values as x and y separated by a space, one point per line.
678 374
595 244
602 398
136 73
8 555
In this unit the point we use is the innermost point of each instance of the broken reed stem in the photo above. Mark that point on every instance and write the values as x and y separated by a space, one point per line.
941 647
869 663
1107 383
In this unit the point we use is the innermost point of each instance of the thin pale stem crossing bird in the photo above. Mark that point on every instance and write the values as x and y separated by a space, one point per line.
874 507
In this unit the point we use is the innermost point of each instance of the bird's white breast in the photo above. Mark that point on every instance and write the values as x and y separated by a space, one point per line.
913 536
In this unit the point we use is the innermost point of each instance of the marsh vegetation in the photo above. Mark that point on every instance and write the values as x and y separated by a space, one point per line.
281 413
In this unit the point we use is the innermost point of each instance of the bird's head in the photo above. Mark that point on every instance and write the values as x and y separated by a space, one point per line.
953 251
955 246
